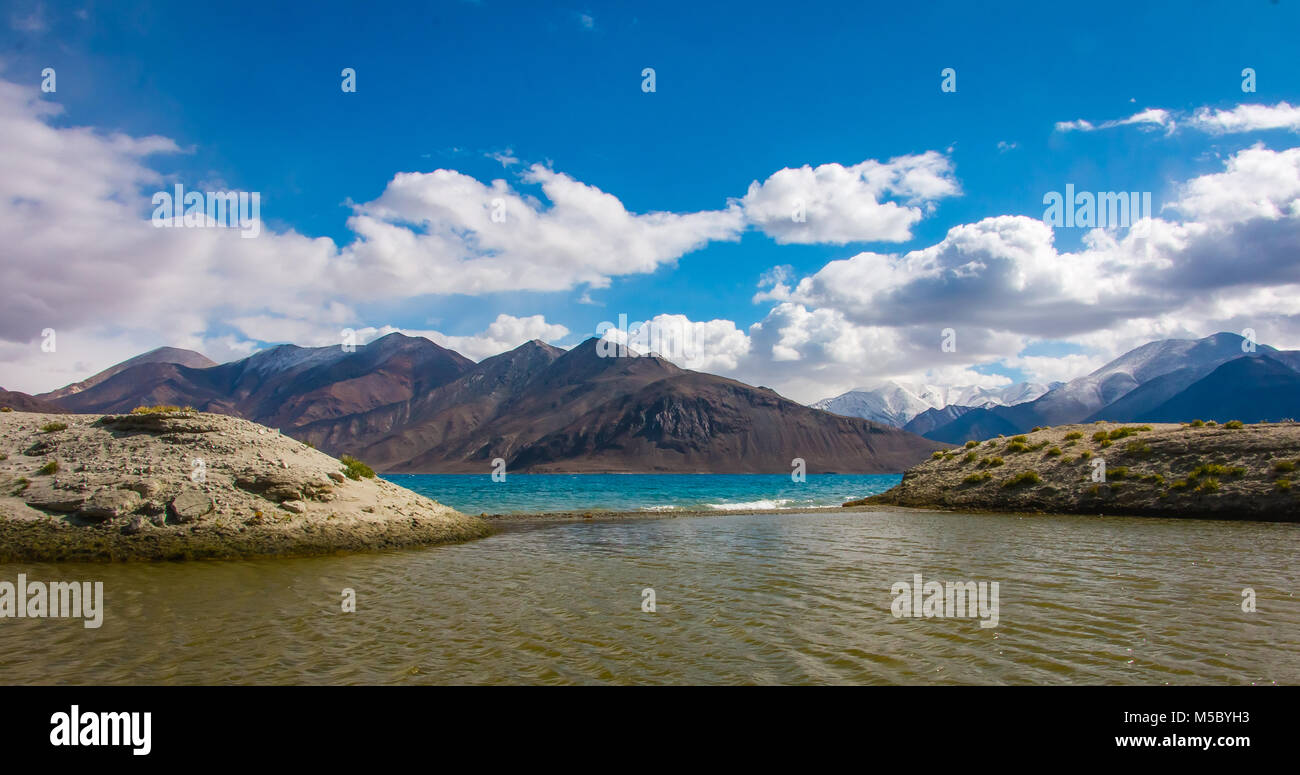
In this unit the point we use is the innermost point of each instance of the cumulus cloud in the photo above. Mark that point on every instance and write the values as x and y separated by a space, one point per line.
835 204
505 333
1002 284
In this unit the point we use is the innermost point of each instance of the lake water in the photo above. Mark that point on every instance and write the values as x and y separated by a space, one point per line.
531 493
769 599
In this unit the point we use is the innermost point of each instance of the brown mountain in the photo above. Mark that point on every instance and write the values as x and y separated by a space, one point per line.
407 405
286 386
21 402
161 355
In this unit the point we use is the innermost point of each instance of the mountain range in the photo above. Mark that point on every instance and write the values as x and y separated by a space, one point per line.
406 404
1220 377
898 403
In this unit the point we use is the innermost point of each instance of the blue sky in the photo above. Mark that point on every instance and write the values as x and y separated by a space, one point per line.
250 96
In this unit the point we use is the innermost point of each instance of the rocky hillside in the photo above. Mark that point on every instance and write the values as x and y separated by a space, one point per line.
1222 471
185 484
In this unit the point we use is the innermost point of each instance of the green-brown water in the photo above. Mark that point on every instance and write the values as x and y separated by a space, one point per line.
772 599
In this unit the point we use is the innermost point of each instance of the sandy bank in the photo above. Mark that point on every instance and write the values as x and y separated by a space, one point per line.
189 485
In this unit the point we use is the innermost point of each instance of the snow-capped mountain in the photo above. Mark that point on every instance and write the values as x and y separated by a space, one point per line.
896 403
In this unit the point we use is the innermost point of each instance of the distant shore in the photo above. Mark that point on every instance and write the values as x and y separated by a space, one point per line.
1227 471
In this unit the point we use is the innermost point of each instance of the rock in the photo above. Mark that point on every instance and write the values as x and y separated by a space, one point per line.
297 507
336 476
137 524
147 488
110 504
191 504
41 495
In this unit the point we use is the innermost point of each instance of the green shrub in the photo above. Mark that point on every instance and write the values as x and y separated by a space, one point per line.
1281 466
1099 436
1072 435
1017 446
355 469
49 468
1137 448
1105 443
1118 472
1180 484
6 409
936 455
977 478
1156 479
1208 485
1283 484
51 427
3 456
1021 439
972 444
1214 469
969 457
1023 479
991 462
1211 422
1115 486
1054 452
160 409
1233 424
1196 424
1084 455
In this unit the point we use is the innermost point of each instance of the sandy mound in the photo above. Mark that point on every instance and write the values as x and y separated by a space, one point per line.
179 485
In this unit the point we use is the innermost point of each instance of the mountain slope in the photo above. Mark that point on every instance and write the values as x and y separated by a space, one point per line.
1250 389
21 402
160 355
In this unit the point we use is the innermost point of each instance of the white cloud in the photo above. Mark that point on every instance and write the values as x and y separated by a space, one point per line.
505 333
1217 121
1150 118
835 204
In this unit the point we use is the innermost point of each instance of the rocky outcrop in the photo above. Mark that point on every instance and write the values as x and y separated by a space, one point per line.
1220 471
186 484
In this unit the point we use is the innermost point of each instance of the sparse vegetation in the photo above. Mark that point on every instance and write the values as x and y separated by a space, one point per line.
50 467
1196 424
1023 479
6 409
160 409
977 478
969 457
1072 435
1233 424
1283 484
1054 452
1208 485
355 469
1105 443
936 455
972 444
1020 439
1279 467
1118 472
1084 455
1017 446
51 427
991 462
1137 448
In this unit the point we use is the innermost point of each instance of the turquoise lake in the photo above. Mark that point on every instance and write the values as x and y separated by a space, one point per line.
533 493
